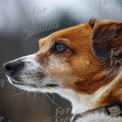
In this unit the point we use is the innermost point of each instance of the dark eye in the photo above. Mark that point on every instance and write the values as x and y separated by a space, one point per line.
59 48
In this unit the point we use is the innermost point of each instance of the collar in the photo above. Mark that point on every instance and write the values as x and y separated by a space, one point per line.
113 110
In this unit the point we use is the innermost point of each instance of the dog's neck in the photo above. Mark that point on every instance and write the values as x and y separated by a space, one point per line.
83 102
80 103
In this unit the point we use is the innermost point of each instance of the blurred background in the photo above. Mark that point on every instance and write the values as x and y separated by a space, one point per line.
22 24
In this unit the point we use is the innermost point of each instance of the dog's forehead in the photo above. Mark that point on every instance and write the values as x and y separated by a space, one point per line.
70 34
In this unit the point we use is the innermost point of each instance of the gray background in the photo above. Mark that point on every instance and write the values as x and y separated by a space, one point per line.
20 17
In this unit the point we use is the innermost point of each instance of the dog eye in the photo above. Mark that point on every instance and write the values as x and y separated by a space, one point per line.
59 48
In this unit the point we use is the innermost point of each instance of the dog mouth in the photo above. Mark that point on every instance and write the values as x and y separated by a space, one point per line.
52 85
21 83
18 83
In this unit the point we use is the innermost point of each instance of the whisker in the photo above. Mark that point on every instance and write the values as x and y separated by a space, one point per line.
52 100
19 93
48 107
35 96
72 118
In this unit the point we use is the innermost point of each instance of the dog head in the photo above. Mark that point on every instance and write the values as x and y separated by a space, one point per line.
81 63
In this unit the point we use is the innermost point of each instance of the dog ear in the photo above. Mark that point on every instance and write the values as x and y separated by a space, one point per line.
93 22
106 38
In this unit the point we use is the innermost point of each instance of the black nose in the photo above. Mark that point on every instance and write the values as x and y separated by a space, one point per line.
12 67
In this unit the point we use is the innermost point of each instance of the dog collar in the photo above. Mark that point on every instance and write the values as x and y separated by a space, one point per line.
113 110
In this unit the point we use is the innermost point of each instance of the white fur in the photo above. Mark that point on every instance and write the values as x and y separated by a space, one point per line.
30 61
98 117
80 102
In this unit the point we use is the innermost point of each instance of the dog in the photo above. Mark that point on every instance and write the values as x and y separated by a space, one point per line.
83 64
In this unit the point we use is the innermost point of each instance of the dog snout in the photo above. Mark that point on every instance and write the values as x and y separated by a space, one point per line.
13 66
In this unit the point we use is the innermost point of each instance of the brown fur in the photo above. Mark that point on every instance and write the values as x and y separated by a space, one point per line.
86 67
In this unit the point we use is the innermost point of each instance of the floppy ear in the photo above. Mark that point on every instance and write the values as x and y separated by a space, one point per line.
106 38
